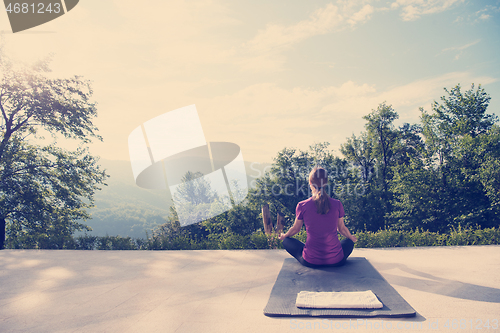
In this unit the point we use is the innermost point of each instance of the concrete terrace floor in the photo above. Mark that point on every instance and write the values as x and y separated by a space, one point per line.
226 291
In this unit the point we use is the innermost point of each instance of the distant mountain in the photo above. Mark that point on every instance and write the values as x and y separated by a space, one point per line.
123 208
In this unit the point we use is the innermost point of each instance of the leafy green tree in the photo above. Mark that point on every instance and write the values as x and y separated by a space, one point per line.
452 184
489 169
359 151
44 190
461 114
362 206
194 199
419 202
194 189
383 134
285 184
374 152
409 144
458 115
476 161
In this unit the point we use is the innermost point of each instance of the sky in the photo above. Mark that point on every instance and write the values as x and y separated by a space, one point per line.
266 74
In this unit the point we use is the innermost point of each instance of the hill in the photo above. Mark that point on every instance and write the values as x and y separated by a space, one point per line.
123 208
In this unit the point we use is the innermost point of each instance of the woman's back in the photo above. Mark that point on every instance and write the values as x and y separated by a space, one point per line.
322 246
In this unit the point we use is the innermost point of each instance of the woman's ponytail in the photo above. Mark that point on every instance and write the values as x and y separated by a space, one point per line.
319 179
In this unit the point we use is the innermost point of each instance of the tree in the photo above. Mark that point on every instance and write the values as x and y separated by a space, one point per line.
458 115
462 114
410 144
359 151
383 135
454 181
365 207
44 190
286 183
418 199
374 152
195 190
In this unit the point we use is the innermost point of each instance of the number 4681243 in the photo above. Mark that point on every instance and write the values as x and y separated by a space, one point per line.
39 8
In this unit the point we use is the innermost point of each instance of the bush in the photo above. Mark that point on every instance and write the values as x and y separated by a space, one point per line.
301 236
460 236
381 238
86 242
257 240
232 241
424 238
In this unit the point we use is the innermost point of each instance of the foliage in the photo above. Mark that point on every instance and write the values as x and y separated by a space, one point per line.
441 175
454 182
394 183
44 190
258 240
85 242
230 240
398 238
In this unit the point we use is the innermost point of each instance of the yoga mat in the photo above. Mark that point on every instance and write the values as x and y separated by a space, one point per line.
356 275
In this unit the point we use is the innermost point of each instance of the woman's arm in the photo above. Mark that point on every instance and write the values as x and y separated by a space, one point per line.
344 231
293 230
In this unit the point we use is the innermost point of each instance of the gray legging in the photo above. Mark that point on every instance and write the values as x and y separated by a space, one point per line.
295 247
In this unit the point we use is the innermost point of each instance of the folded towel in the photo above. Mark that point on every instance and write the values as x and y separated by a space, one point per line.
336 300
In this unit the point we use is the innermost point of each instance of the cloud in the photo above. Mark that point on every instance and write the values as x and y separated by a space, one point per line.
460 49
486 13
361 16
264 52
264 118
145 63
322 21
414 9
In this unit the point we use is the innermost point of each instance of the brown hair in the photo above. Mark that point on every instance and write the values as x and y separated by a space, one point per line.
319 179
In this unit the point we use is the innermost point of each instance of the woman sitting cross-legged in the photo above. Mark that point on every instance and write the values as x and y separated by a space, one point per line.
323 217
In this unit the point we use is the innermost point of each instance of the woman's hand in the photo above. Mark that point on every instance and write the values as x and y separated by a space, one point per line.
344 231
293 230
